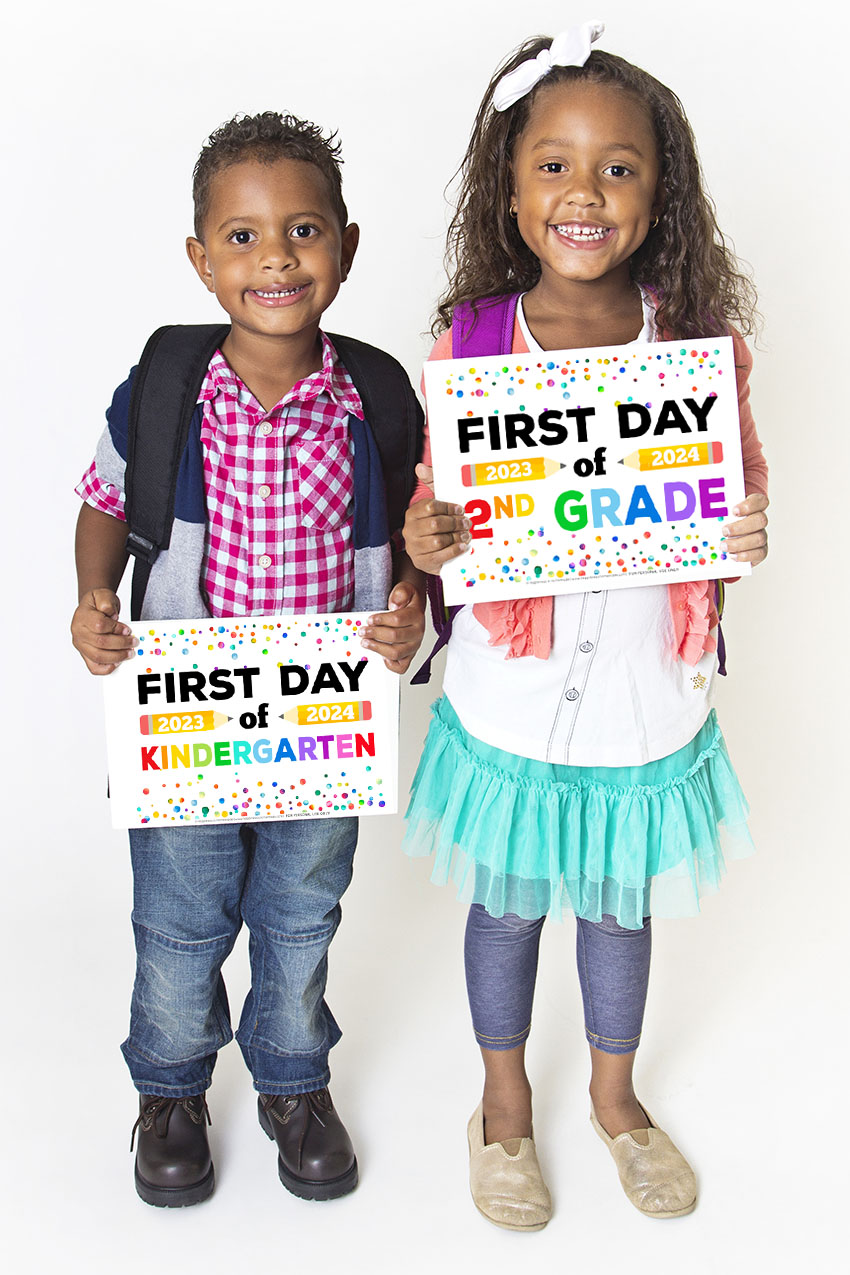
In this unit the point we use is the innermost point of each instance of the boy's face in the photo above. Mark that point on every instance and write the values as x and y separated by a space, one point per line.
273 250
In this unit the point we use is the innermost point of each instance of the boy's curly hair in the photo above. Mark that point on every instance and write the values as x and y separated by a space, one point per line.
685 261
267 138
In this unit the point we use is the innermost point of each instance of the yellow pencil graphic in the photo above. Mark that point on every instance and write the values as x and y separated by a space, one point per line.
322 714
508 471
181 723
674 457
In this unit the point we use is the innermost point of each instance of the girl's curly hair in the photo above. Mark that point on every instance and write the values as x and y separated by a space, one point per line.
697 280
266 137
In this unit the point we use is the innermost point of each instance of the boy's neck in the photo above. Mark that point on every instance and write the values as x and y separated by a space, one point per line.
270 365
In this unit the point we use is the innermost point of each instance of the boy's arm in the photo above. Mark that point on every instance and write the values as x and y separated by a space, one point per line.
101 553
396 634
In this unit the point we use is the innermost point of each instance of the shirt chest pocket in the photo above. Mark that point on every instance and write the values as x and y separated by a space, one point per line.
325 483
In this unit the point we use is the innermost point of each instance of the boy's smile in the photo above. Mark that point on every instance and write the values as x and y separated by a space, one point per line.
273 251
585 181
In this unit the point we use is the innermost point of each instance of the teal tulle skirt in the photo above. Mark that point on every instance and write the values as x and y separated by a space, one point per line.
531 838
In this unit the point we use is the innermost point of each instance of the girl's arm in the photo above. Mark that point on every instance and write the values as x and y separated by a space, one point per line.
746 538
434 532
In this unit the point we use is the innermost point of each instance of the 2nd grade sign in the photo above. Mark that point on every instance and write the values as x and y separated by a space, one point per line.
587 469
269 717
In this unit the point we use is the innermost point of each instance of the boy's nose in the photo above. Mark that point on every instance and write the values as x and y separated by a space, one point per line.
278 254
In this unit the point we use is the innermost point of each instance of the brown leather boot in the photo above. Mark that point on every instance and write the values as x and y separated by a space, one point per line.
173 1162
315 1160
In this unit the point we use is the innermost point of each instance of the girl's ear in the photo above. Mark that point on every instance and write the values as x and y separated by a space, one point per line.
197 254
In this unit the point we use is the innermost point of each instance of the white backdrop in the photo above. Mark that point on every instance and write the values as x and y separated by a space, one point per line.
106 108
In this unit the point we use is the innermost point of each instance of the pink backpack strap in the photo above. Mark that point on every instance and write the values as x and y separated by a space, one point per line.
486 328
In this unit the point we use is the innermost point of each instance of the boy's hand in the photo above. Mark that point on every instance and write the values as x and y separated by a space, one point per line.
746 540
97 633
434 532
397 633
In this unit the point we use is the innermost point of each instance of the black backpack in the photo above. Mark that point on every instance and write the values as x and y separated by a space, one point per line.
163 398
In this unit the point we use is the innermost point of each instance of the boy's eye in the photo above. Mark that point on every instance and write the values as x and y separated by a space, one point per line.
303 231
241 237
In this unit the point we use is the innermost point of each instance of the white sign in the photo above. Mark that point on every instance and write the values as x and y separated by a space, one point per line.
588 469
264 717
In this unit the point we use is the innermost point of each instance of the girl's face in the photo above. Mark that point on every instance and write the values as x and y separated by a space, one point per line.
585 181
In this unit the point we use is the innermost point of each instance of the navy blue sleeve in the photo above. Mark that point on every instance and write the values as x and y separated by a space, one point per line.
118 413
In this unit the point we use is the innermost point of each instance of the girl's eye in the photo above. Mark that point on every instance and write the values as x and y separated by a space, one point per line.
304 232
554 166
618 170
241 237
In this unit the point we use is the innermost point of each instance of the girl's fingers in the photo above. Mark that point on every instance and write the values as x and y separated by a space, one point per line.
741 544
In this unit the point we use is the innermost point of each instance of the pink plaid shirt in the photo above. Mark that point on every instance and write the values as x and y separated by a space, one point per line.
279 491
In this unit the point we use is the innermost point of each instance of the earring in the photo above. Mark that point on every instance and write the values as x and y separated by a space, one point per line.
654 222
513 212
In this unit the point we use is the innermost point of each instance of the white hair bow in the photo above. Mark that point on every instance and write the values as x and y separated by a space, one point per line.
570 48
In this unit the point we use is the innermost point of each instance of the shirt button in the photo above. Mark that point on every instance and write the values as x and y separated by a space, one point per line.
571 694
264 560
586 646
264 492
266 428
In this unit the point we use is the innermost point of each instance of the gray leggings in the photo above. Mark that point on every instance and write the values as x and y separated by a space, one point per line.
500 954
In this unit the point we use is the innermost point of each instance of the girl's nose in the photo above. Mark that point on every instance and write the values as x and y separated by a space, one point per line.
583 189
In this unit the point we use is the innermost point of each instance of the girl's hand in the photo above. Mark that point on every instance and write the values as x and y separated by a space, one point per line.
746 540
397 633
434 532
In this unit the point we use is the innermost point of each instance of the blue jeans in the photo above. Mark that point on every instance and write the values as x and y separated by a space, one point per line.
500 954
192 889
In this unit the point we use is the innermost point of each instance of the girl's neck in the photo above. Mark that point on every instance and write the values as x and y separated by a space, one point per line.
569 314
269 365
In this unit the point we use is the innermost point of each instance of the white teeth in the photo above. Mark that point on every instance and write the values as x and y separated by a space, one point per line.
583 232
287 293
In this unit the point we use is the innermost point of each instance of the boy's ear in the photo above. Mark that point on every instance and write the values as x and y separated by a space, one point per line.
198 257
350 240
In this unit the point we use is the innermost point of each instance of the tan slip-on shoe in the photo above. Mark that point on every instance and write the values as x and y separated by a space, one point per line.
656 1178
507 1189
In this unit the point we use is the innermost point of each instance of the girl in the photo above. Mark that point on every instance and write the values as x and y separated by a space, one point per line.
581 222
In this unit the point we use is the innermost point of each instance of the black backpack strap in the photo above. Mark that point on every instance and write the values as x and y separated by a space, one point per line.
165 390
394 414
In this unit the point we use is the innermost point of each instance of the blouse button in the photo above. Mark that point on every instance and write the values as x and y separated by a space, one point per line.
264 560
571 694
586 647
683 606
266 428
264 492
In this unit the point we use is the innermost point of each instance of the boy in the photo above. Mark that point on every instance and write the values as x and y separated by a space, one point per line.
271 531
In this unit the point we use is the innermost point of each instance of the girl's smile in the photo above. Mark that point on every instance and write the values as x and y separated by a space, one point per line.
585 182
583 235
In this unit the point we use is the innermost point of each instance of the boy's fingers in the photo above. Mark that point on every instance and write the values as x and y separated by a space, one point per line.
392 650
99 670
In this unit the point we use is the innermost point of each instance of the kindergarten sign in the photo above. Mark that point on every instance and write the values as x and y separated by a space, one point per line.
587 469
267 717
